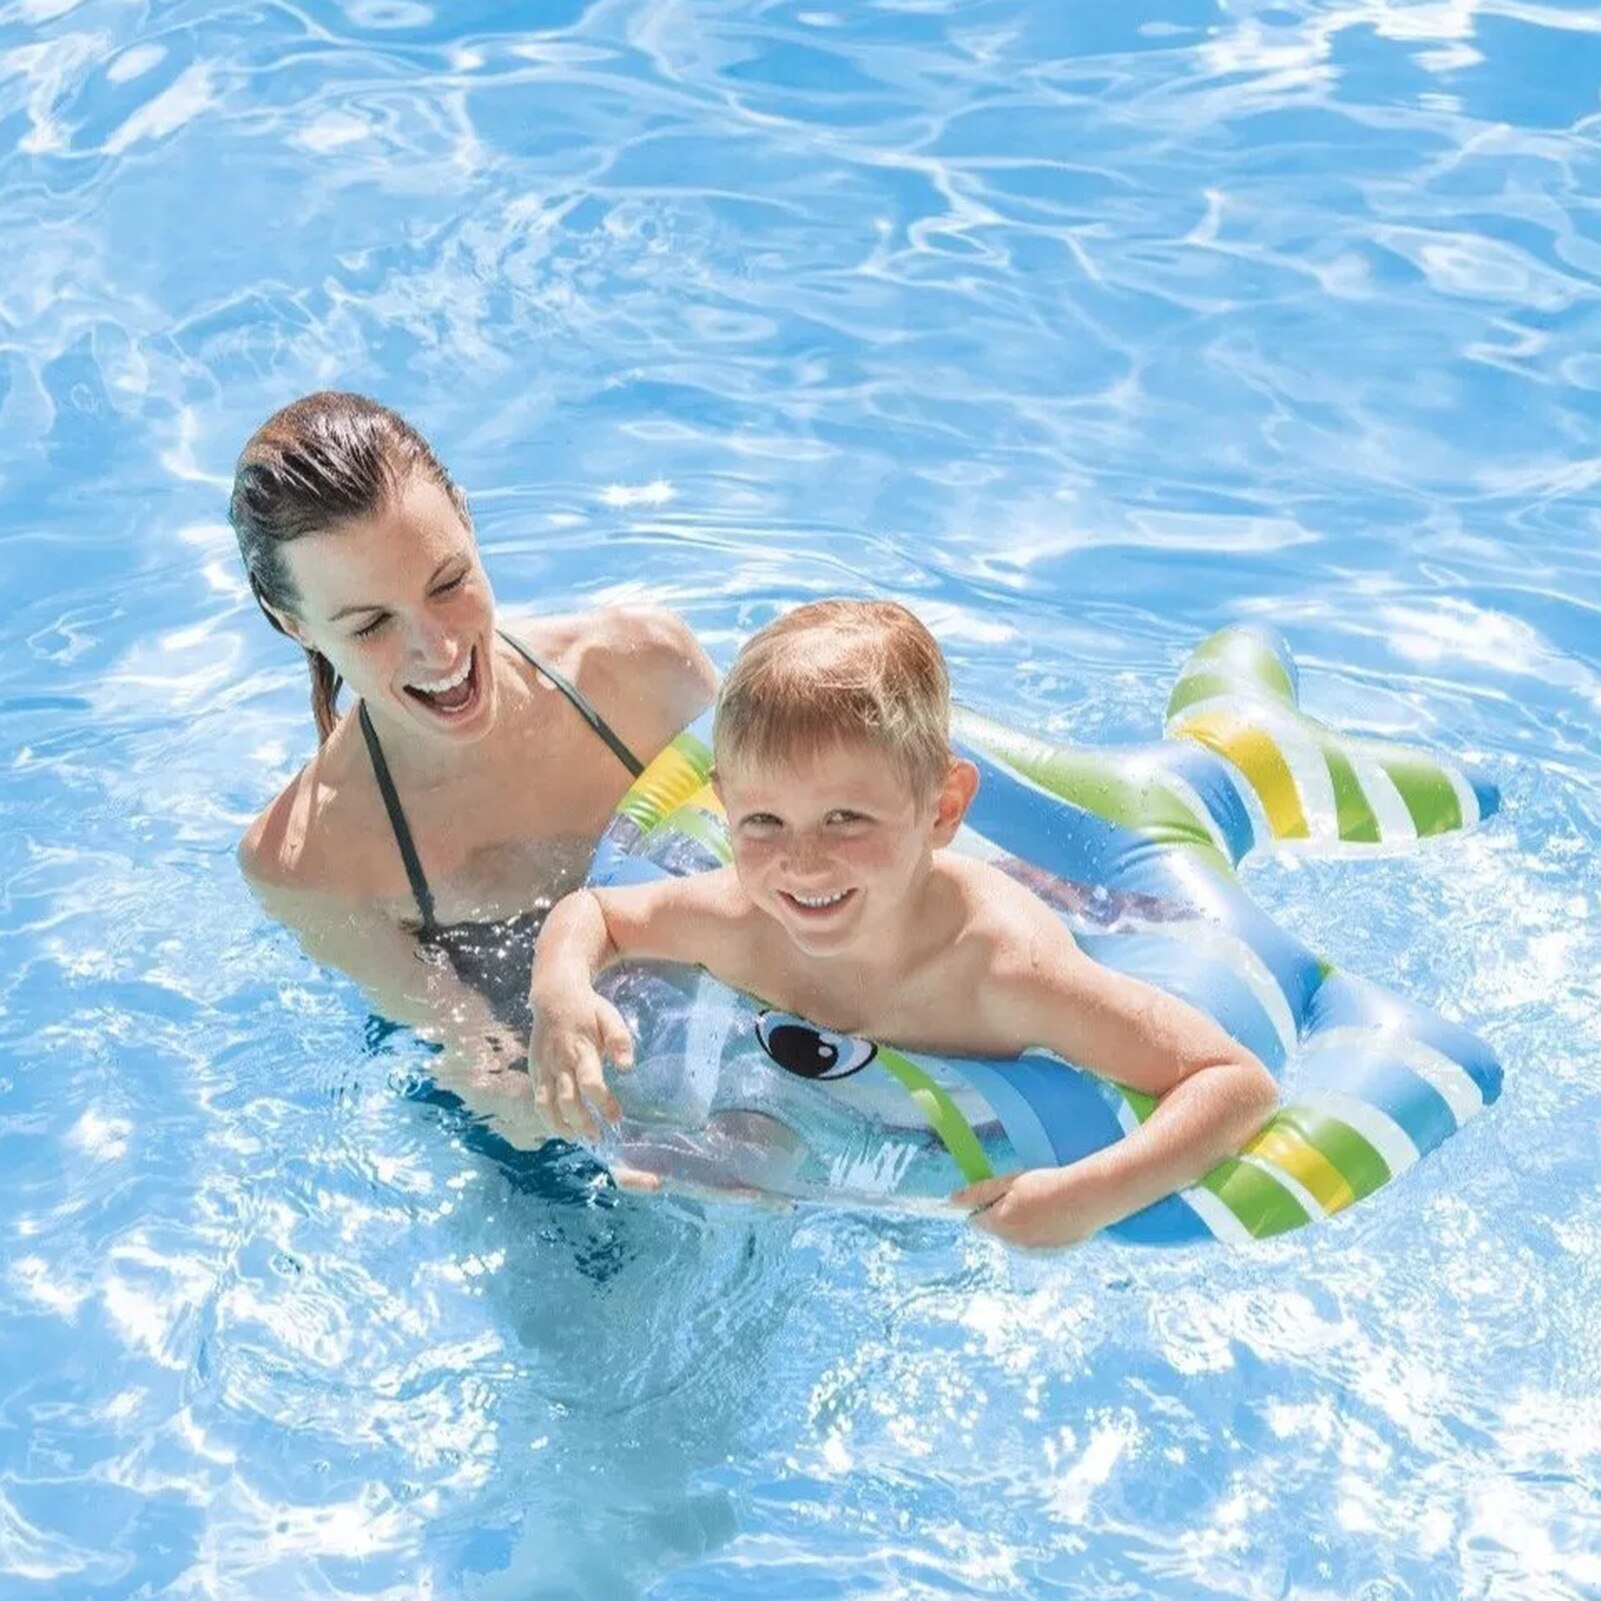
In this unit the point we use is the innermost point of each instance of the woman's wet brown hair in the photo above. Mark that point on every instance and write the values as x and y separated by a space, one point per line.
326 459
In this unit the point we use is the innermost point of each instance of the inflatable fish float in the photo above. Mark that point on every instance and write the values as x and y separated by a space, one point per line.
1135 848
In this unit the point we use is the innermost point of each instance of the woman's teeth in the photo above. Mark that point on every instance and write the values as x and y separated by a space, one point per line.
445 685
453 694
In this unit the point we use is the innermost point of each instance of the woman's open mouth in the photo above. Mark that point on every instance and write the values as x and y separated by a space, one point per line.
454 696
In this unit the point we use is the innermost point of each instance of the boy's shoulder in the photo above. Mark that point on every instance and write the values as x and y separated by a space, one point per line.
1005 924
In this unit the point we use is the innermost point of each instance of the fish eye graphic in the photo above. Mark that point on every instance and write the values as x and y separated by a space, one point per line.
807 1051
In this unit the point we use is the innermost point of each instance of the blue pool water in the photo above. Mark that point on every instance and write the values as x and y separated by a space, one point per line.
1084 328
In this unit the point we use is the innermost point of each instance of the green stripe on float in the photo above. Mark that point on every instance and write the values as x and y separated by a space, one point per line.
1354 816
1089 780
1248 658
1139 1103
1199 686
943 1116
1263 1205
1429 794
1346 1151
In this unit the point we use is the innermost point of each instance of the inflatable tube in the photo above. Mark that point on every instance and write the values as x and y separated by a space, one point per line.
1135 848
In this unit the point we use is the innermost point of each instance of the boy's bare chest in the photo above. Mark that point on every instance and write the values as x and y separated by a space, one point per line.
933 1005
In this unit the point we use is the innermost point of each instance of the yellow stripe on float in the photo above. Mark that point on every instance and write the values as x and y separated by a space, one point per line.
1258 756
1289 1149
665 785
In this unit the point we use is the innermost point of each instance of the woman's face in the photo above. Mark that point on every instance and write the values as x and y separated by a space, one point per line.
400 605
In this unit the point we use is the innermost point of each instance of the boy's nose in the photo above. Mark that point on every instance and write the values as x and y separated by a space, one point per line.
807 854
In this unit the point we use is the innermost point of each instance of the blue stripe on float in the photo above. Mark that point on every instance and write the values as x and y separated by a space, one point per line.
611 868
1207 983
1068 841
1068 1107
1170 1221
1296 970
1046 830
1006 1091
1042 1097
1208 775
1390 1086
1486 791
1346 1002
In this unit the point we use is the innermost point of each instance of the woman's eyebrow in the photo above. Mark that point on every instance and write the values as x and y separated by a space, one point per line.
372 605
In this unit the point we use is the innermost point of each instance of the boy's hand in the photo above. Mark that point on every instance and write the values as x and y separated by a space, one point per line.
572 1038
1036 1209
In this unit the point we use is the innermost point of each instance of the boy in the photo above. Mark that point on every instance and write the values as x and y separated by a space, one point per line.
833 763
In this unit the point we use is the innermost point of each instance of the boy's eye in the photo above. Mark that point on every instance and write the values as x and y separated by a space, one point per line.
760 822
451 584
368 629
844 816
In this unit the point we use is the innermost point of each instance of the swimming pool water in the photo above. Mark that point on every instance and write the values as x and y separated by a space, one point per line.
1084 329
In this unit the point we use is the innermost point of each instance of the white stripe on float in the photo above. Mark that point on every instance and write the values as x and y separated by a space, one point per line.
1456 1086
1217 1215
1395 820
1467 797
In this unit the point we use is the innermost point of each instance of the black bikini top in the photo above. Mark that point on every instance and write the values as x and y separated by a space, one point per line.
397 815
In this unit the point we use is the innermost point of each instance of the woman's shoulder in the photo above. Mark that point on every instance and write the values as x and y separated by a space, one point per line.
639 636
640 666
312 836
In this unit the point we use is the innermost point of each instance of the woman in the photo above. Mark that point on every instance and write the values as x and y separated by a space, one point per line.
463 791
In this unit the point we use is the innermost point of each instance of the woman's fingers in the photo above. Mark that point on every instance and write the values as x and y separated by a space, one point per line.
636 1181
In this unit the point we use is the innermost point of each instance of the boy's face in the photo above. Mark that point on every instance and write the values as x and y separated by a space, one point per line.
834 845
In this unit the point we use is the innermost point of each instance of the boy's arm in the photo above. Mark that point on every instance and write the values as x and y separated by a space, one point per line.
1212 1093
575 1028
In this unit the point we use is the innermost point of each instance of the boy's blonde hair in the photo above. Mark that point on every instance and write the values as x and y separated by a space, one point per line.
839 671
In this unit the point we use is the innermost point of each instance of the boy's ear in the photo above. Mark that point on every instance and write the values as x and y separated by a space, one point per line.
955 796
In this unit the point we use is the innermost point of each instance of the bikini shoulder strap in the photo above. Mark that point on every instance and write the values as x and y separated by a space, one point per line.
397 822
582 706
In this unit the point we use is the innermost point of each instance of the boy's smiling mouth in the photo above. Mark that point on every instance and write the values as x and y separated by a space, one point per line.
814 904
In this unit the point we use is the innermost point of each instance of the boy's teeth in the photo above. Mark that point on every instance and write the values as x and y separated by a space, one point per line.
819 900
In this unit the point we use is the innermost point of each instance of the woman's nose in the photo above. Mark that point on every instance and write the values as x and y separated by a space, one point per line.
430 640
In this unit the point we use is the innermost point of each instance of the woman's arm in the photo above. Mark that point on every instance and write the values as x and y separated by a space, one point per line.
482 1061
1212 1093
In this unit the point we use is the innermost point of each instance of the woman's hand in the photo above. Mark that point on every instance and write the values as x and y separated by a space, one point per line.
575 1030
